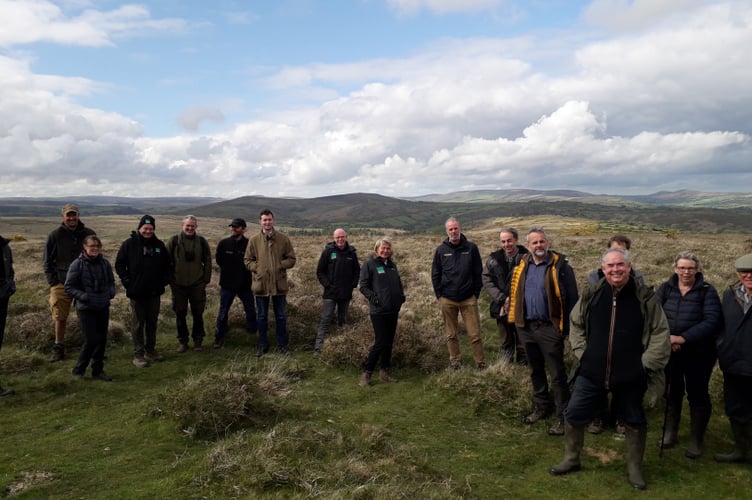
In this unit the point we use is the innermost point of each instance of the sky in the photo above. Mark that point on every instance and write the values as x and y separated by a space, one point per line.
309 98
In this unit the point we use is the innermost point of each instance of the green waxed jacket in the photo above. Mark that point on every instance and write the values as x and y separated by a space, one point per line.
656 345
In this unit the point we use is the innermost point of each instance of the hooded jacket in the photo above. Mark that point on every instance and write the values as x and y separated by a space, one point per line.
338 271
143 266
456 270
63 247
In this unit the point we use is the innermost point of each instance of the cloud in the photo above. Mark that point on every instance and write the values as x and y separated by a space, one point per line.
411 7
668 106
31 21
190 119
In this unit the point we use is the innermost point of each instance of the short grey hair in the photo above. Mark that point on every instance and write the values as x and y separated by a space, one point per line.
688 256
535 229
623 251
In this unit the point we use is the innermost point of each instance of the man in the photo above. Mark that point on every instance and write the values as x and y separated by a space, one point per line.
616 241
7 288
63 246
735 360
234 280
456 276
620 336
190 257
496 280
143 265
543 292
268 256
337 271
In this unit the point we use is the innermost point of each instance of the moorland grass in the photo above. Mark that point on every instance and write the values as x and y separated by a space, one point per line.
224 424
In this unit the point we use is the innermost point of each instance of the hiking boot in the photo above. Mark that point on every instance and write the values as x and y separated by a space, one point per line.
455 365
365 379
262 350
481 366
6 392
539 413
219 343
102 376
558 428
386 377
197 346
140 362
182 348
596 426
58 353
153 356
620 429
574 438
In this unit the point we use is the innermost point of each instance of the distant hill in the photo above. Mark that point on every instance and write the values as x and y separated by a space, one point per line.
681 210
682 198
98 205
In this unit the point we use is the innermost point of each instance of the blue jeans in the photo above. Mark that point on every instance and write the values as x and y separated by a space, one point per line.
587 399
279 303
226 296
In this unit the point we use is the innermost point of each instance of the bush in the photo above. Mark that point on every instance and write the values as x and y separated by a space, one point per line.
218 401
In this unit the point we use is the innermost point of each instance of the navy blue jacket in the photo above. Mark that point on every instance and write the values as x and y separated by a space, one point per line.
695 316
91 282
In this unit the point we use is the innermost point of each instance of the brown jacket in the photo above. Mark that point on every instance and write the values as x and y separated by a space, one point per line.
268 259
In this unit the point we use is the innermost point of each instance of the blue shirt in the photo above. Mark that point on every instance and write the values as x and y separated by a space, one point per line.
536 302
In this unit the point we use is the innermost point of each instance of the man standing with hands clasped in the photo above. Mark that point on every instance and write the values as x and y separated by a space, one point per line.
269 255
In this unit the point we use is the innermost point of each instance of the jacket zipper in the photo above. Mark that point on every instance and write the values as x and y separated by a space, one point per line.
611 340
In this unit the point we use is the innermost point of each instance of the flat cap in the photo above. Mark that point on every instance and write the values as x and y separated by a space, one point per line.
744 263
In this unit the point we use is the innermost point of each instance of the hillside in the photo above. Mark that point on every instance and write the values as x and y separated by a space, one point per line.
677 211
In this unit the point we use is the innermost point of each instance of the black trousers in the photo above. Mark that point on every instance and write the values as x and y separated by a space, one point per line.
384 329
94 330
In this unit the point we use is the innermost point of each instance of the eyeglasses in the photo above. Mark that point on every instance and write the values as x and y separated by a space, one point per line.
745 273
686 269
93 246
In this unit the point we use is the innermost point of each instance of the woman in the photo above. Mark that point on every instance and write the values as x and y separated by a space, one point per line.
693 310
381 285
91 283
7 288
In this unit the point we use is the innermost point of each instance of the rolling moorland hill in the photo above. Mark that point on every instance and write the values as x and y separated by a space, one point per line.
679 211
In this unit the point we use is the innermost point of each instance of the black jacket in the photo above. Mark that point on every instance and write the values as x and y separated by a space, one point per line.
381 285
7 275
63 247
143 266
735 340
338 271
91 282
497 277
233 274
457 270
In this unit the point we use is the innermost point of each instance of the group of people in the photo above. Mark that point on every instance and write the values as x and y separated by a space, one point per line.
625 336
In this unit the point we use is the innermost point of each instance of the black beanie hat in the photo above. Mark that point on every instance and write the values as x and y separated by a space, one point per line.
147 219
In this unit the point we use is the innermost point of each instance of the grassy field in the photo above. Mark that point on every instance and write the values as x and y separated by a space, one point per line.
224 424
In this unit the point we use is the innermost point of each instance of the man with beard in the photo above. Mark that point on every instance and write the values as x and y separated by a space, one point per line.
620 336
143 266
63 246
543 291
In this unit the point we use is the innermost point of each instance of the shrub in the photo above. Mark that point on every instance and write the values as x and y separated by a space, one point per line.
218 401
